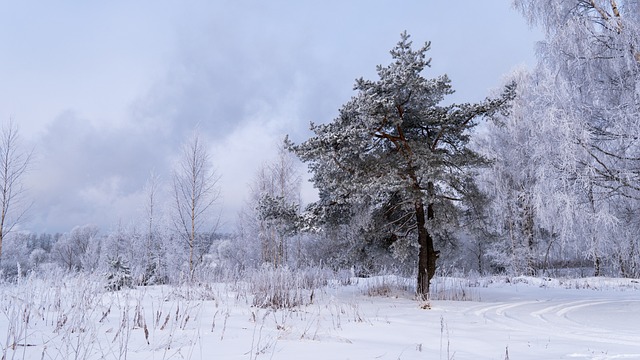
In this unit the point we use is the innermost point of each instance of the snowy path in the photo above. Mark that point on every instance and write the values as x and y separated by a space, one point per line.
546 324
583 320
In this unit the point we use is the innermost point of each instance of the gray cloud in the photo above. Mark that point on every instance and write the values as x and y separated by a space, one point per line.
244 72
86 174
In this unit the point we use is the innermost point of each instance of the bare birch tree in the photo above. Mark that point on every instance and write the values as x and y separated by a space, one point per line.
14 164
152 240
195 192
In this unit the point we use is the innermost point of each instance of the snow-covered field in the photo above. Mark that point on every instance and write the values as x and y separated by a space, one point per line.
375 318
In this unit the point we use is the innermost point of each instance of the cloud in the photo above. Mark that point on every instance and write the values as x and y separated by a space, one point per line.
240 153
86 174
141 78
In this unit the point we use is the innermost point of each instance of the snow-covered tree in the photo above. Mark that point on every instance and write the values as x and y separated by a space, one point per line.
118 275
526 147
151 242
78 248
271 214
14 163
276 193
280 221
592 51
587 86
195 192
394 145
16 256
119 245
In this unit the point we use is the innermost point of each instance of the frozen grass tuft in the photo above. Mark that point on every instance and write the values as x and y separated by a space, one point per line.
387 286
280 288
453 289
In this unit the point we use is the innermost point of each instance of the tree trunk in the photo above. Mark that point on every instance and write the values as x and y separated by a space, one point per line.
529 235
427 256
2 219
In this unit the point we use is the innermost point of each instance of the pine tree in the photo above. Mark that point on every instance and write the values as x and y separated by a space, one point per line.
394 145
119 274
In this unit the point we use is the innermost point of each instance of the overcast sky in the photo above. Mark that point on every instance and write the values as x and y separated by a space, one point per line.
106 91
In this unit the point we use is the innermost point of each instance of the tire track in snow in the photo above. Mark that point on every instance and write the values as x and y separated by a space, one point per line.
562 318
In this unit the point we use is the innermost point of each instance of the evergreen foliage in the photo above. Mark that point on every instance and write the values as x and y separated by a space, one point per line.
118 275
396 151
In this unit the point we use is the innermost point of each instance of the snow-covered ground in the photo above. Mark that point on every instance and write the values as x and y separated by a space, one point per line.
500 318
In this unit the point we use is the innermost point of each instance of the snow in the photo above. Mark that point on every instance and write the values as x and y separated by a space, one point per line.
502 318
